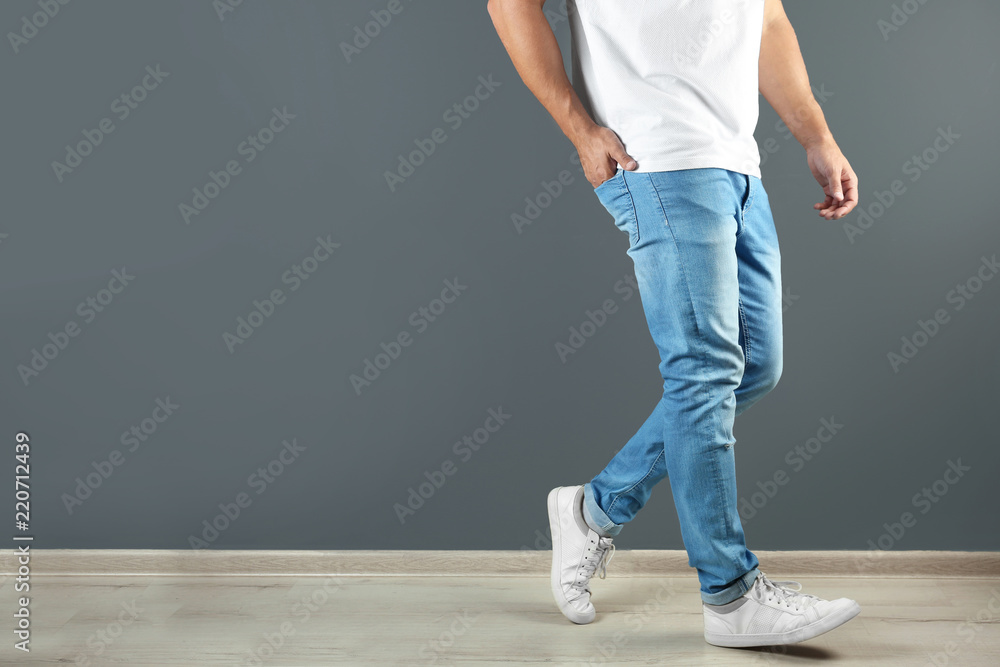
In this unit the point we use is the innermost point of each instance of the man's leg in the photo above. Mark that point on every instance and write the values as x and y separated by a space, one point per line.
684 230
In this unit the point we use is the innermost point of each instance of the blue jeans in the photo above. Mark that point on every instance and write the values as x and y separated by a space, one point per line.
706 260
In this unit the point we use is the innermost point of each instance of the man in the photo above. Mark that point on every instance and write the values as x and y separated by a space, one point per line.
662 108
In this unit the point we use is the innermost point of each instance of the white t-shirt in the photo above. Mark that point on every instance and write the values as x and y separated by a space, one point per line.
675 79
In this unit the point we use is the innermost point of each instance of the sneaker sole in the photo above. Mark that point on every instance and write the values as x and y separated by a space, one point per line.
555 574
814 629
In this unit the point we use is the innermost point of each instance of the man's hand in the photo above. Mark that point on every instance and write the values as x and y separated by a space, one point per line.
601 151
833 172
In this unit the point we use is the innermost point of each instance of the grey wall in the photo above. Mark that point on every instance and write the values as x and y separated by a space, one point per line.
850 297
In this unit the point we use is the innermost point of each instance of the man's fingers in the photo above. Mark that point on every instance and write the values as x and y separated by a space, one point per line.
851 188
850 201
828 208
842 194
606 172
837 212
850 196
840 185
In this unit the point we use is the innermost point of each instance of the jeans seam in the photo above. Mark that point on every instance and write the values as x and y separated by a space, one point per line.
744 582
635 217
746 333
629 489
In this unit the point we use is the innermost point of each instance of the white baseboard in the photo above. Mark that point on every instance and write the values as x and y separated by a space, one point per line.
637 562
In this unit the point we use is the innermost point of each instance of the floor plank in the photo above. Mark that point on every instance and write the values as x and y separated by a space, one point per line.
463 620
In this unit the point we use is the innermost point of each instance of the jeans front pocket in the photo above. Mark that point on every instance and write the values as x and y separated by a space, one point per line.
616 198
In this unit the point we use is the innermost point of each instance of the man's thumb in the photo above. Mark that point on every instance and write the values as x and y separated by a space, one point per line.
837 189
624 159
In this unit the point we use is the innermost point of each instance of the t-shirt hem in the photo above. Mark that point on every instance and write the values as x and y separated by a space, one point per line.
662 164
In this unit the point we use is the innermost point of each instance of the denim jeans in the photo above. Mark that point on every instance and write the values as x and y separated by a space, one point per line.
707 264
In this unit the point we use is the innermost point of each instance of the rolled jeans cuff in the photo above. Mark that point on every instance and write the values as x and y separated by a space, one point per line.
736 590
595 516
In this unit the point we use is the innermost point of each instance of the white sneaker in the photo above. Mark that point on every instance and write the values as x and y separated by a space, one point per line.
577 552
770 614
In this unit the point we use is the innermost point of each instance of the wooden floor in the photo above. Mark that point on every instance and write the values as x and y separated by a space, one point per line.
474 620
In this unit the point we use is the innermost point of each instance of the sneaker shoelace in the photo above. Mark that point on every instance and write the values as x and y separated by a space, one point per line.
778 591
597 557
